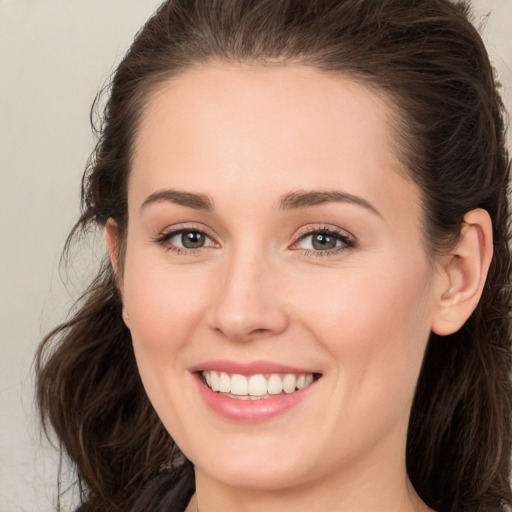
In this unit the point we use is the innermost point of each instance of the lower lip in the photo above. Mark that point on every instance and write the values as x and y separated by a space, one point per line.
251 410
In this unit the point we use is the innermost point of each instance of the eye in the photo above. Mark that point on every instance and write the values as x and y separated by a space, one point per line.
189 239
184 240
323 241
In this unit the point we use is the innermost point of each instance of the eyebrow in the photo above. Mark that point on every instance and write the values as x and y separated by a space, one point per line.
306 199
288 201
189 199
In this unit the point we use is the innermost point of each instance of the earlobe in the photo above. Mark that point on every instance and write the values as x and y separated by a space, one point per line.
462 273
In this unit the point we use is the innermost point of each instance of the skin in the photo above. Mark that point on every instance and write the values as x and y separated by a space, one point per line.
360 316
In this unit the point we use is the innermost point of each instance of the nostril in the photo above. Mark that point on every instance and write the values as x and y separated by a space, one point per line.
249 335
260 331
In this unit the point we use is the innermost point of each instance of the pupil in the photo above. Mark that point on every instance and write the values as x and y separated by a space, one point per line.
192 239
323 242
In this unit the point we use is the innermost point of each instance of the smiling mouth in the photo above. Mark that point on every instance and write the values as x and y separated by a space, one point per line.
258 386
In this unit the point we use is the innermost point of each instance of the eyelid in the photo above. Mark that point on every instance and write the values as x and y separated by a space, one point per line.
163 237
315 228
347 239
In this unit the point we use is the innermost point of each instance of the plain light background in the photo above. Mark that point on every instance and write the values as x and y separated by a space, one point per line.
54 56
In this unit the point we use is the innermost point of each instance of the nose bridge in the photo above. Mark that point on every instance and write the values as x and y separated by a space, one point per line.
247 302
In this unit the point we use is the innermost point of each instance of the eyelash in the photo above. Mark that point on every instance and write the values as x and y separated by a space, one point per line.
347 242
163 240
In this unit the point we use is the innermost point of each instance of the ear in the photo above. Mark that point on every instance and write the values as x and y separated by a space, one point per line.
462 273
113 243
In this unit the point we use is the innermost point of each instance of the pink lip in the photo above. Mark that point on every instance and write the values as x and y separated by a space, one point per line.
251 368
250 410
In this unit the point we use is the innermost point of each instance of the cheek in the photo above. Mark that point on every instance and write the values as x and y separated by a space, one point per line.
374 322
381 299
165 307
163 302
374 326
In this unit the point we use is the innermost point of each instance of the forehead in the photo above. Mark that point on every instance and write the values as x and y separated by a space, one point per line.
260 131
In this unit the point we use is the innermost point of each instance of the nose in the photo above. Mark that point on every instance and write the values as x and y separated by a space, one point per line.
247 303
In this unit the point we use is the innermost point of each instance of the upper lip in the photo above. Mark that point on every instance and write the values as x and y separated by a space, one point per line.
248 368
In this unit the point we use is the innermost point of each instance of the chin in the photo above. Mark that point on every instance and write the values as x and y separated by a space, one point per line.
259 476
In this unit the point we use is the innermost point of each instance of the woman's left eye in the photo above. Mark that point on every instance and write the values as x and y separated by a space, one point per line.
183 240
323 241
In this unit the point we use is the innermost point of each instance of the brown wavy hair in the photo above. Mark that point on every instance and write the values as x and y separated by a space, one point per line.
428 59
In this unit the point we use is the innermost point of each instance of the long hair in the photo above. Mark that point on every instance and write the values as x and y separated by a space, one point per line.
427 58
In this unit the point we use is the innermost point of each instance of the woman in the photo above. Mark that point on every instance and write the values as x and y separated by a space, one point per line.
306 301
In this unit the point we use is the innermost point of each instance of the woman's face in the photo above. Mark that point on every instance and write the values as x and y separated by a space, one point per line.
273 241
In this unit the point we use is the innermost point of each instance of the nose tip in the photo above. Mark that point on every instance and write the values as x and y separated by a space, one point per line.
248 325
248 306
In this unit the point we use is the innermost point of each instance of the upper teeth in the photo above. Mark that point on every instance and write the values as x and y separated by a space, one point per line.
256 385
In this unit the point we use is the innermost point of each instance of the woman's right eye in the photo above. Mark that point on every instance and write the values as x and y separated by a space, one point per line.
184 240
